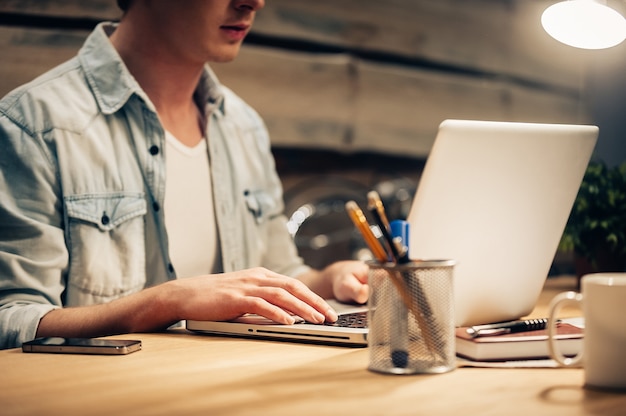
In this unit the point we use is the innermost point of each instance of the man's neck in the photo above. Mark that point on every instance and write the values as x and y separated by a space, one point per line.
168 81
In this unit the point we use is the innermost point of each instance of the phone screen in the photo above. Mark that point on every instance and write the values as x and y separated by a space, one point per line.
82 346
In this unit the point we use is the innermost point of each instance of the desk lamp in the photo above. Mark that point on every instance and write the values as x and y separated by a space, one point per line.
586 24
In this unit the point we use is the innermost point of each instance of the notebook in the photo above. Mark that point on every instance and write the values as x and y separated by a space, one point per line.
520 345
495 197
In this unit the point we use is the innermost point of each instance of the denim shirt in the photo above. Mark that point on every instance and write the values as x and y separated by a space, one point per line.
82 182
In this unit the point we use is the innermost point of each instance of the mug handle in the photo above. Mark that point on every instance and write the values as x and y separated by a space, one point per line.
560 300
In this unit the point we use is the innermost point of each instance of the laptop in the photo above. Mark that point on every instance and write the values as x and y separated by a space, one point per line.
349 330
495 197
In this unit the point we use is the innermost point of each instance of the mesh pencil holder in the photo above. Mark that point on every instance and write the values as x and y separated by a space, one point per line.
411 317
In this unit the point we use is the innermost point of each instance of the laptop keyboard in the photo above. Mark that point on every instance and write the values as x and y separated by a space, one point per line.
351 320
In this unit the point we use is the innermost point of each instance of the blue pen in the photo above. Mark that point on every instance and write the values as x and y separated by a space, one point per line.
400 234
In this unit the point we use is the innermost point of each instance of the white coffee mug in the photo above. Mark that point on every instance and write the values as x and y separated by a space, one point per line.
603 355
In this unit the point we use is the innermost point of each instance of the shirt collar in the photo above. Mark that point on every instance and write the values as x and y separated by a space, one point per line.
113 84
210 93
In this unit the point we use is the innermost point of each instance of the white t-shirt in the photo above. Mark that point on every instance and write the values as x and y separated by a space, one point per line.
189 215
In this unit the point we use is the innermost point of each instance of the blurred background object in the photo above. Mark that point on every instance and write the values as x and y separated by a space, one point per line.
317 185
353 92
586 24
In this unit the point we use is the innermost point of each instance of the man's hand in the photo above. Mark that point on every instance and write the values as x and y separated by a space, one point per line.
345 281
258 290
349 281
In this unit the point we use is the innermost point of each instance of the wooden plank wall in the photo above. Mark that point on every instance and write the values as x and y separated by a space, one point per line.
352 91
351 75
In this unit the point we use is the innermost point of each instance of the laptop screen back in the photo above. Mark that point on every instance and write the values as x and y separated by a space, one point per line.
495 197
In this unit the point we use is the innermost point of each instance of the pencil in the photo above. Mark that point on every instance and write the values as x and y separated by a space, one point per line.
359 220
376 204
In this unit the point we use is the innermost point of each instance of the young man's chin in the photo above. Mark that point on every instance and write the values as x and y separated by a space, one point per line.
225 55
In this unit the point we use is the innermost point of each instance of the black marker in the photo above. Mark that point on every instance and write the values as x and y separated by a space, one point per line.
400 335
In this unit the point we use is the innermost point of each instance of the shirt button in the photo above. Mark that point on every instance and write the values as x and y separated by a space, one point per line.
170 267
154 150
156 206
105 219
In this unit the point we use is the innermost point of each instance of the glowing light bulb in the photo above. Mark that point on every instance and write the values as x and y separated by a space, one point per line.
584 24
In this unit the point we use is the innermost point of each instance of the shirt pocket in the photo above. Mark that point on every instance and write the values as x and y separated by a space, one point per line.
262 208
106 242
261 205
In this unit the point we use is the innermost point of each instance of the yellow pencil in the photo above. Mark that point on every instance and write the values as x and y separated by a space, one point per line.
359 220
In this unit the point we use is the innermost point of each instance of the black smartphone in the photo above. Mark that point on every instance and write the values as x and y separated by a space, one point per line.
82 346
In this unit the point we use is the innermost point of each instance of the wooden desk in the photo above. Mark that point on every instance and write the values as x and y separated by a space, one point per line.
184 374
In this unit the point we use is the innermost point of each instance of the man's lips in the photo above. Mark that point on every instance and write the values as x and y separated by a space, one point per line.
235 32
238 28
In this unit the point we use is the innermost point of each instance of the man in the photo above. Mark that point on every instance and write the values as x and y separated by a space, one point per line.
105 204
